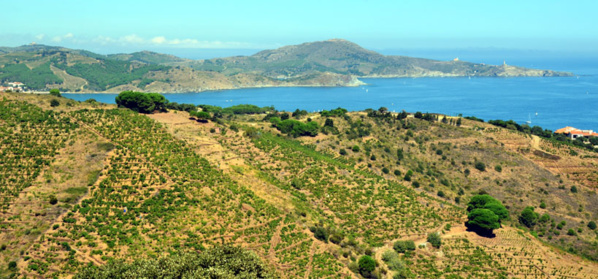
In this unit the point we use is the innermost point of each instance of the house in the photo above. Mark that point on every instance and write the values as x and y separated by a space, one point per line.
6 88
574 133
16 84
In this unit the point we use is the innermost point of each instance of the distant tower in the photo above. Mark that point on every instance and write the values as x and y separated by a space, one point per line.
504 62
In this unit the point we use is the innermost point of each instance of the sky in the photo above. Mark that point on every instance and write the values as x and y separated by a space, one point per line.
196 28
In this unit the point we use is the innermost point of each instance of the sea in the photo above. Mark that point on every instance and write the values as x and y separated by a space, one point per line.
548 102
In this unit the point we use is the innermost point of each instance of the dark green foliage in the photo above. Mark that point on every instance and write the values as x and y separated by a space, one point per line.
200 115
441 194
408 175
573 189
485 213
355 148
592 225
385 170
217 262
55 92
141 102
54 103
333 113
366 265
434 239
53 200
401 246
498 168
295 128
12 265
299 113
571 232
418 115
321 233
181 107
474 118
528 217
247 109
342 152
480 166
484 219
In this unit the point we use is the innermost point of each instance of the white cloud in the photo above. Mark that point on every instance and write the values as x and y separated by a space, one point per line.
135 40
59 39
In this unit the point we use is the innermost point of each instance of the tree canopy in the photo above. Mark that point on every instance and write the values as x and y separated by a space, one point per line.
485 213
141 102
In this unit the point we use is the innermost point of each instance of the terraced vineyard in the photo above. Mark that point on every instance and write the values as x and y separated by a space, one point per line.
83 186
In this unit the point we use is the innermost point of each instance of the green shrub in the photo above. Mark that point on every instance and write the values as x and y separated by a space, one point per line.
528 217
12 265
342 152
592 225
366 265
434 239
391 258
54 103
55 93
480 166
402 246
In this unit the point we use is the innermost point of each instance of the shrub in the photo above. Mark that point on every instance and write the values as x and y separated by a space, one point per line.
498 168
321 233
528 217
397 172
480 166
54 103
573 189
12 265
355 148
441 194
592 225
571 232
391 258
401 246
385 170
53 200
434 239
342 152
366 265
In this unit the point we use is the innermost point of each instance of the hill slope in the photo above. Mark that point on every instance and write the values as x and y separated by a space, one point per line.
99 183
326 63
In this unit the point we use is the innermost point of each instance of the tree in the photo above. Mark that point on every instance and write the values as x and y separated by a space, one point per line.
485 214
434 239
528 217
55 92
483 219
201 116
141 102
366 265
418 115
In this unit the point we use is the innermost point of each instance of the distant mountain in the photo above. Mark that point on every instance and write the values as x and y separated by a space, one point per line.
325 63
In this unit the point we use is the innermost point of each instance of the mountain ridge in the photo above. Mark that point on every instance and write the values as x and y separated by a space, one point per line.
334 62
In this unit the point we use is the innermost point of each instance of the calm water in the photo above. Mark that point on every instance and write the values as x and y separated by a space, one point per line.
551 103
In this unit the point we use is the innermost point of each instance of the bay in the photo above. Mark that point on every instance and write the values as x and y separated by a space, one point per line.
551 103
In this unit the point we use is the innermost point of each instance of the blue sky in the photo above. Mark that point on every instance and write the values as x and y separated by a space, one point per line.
180 27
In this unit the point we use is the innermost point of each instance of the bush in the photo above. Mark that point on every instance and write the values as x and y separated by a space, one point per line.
571 232
434 239
53 200
385 170
402 246
573 189
12 265
592 225
342 152
391 258
528 217
498 168
441 194
480 166
54 103
366 265
355 148
321 233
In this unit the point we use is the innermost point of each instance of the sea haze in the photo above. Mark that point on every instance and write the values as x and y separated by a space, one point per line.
551 103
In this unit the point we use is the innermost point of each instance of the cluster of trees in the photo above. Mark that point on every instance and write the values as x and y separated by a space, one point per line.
141 102
485 214
295 128
217 262
36 78
337 112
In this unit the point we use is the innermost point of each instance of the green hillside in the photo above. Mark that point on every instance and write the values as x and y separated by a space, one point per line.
372 195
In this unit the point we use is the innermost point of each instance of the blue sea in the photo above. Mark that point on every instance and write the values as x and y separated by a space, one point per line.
551 103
